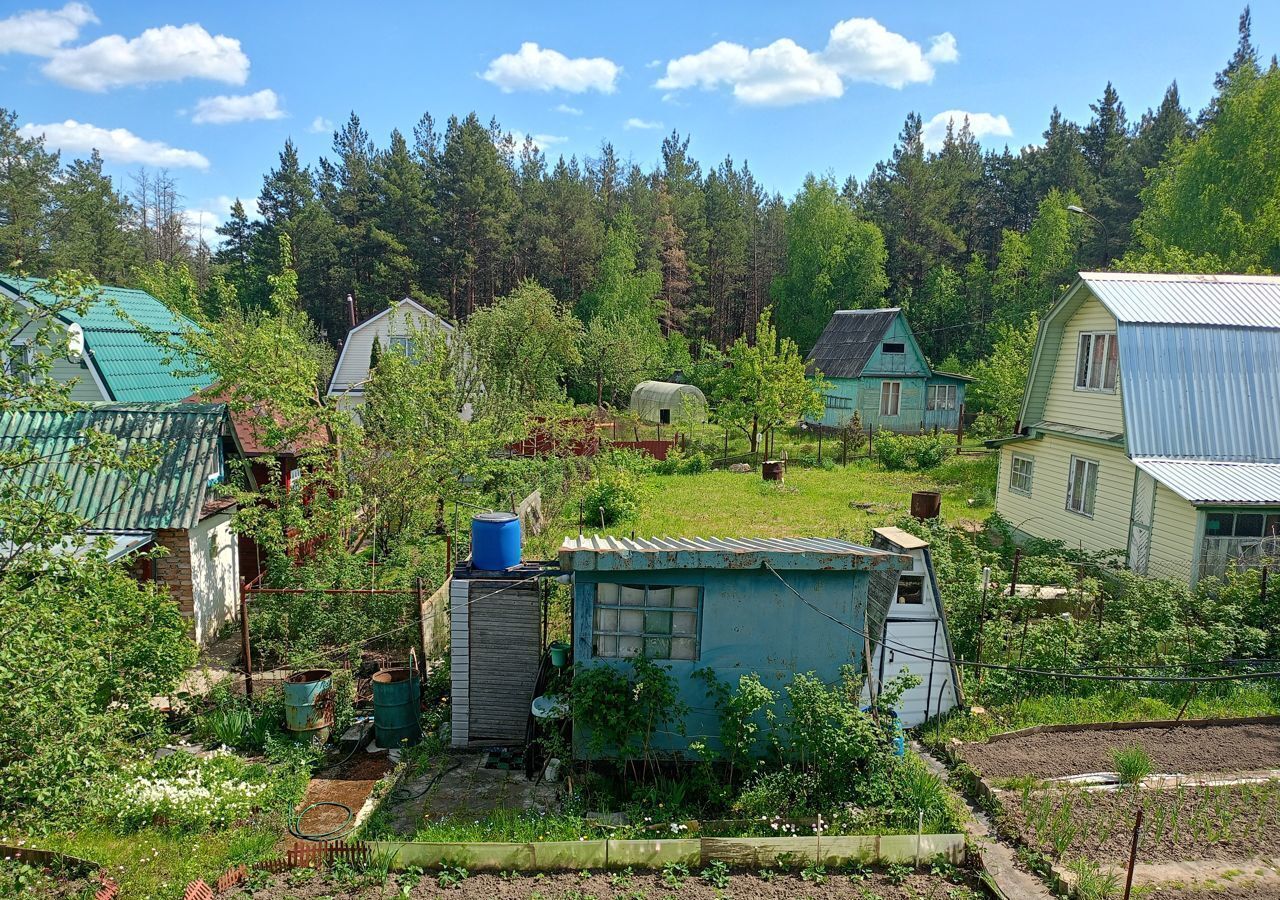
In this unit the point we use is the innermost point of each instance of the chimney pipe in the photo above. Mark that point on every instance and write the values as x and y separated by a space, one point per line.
351 310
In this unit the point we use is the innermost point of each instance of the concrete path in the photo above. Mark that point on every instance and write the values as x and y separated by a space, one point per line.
998 859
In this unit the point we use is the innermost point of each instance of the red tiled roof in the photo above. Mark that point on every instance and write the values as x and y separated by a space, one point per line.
250 433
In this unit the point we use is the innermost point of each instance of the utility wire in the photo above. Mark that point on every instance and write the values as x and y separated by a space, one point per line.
915 653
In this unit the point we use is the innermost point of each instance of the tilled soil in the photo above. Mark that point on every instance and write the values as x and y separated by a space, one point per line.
1227 822
1183 749
1236 889
605 886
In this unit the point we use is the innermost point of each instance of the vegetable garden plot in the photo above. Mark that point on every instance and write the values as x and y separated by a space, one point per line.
1238 821
1182 749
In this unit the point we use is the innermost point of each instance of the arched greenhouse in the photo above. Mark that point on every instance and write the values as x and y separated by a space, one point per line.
668 403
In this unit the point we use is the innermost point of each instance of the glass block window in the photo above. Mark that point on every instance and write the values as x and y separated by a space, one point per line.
658 621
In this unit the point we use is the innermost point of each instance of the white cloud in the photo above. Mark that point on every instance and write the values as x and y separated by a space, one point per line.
169 53
636 124
543 142
568 110
981 125
40 32
943 49
785 73
223 110
116 145
320 125
536 69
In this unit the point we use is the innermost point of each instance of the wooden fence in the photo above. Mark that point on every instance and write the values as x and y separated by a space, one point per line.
433 620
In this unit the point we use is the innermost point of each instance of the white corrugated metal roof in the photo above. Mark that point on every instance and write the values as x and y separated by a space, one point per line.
1203 481
620 553
1246 301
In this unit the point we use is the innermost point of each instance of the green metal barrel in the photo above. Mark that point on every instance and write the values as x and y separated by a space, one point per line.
397 708
308 704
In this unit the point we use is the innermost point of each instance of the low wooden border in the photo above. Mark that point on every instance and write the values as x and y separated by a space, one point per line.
1129 726
654 854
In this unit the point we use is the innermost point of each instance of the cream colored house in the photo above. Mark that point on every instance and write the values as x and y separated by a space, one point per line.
1151 423
392 329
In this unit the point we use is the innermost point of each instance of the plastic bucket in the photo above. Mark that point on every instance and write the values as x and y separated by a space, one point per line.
559 654
495 541
397 708
308 704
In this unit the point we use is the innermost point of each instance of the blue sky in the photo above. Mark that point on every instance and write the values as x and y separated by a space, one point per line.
213 90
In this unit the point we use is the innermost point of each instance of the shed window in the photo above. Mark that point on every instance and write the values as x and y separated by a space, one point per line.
1082 486
911 589
890 347
1097 359
890 397
1247 525
658 621
834 402
941 396
1021 469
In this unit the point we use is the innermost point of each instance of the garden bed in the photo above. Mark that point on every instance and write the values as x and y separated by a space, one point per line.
895 884
1186 748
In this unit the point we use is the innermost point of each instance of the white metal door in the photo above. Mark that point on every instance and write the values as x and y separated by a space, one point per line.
919 646
1140 521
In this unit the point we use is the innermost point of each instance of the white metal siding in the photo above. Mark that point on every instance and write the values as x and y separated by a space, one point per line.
353 366
1065 404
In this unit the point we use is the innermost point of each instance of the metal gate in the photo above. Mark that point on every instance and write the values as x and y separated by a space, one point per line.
1140 521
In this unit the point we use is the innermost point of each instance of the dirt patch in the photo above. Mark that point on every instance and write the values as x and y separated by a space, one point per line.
350 784
1228 822
1236 889
558 886
1183 749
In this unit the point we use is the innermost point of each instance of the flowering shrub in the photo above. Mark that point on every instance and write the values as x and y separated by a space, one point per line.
186 793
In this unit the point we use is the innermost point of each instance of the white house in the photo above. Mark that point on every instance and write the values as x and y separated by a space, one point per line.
391 328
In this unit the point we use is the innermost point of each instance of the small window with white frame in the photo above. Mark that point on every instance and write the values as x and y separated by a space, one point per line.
401 342
1097 361
890 397
18 360
657 621
1021 470
1082 486
941 397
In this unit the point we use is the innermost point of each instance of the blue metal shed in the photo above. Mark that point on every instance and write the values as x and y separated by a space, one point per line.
772 606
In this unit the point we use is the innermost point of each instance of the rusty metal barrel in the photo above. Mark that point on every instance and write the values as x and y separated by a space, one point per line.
397 707
772 470
308 704
926 505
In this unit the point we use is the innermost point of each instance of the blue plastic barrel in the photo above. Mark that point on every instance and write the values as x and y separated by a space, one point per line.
495 541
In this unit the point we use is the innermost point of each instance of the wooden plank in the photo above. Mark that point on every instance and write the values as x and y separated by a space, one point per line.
759 853
572 855
654 854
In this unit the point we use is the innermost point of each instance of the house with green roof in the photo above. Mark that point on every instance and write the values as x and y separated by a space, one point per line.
111 359
173 504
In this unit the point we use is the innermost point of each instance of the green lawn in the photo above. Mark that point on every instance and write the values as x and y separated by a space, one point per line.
812 502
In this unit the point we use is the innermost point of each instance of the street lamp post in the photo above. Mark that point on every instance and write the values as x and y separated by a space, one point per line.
1106 236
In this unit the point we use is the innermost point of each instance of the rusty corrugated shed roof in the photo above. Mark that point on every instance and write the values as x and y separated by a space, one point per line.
186 436
608 553
1207 482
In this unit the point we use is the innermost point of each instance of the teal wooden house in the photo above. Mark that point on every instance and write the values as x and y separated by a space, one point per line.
773 607
872 365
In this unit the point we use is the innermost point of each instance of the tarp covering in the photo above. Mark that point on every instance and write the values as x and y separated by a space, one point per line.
684 403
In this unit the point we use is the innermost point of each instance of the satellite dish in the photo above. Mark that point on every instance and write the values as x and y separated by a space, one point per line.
75 342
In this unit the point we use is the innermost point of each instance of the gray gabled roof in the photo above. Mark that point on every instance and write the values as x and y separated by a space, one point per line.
848 341
1205 482
1245 301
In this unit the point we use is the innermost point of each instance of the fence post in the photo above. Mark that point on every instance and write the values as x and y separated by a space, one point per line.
982 618
1133 853
423 638
960 429
1013 577
244 637
1263 595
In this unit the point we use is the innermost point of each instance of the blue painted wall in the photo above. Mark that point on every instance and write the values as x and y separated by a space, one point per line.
749 622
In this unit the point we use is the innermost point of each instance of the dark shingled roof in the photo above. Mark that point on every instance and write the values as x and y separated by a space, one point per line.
848 342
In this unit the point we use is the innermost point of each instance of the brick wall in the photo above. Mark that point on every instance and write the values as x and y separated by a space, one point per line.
173 570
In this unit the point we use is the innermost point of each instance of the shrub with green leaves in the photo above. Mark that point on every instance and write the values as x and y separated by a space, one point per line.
612 496
912 451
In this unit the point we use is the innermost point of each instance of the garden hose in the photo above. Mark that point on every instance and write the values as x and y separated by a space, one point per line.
295 822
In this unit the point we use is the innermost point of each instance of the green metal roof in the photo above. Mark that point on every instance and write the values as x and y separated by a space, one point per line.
131 368
187 437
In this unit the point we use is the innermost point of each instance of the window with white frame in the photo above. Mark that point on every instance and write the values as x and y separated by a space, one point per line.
401 342
1082 486
890 397
657 621
1021 468
941 396
1097 361
18 359
835 402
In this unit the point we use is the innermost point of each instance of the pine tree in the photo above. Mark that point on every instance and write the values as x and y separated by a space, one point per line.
26 196
235 256
90 231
